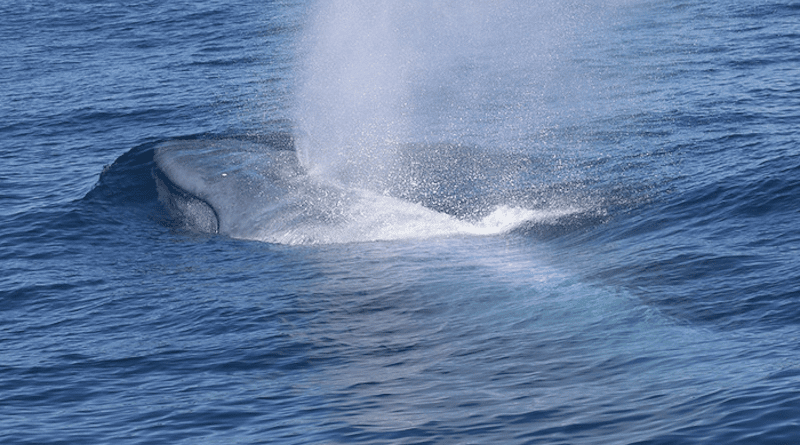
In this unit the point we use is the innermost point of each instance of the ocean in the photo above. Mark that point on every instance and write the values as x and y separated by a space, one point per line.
397 222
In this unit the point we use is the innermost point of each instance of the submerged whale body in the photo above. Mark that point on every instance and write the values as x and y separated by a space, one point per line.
257 191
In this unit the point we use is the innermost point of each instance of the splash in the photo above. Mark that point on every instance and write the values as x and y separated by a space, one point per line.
382 73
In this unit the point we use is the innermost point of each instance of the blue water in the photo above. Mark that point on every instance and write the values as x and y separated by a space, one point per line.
400 222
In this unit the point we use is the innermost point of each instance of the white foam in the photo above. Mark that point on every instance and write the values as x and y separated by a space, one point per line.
368 217
505 218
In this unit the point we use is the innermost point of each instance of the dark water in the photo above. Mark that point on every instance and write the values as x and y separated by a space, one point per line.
400 222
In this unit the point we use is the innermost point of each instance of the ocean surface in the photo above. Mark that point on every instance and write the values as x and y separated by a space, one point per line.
396 222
